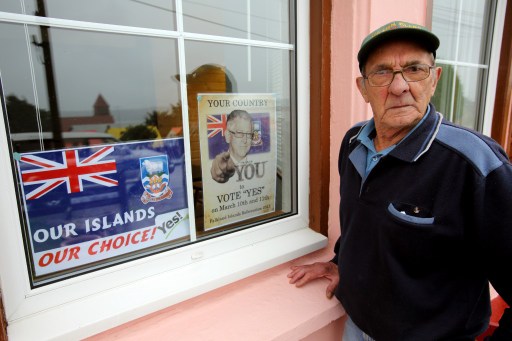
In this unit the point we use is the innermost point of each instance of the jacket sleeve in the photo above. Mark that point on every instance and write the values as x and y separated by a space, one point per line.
497 231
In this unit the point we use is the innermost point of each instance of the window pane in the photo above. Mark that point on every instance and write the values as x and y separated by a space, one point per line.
158 14
13 6
470 100
474 35
445 15
466 30
465 92
110 102
101 81
242 70
442 98
259 20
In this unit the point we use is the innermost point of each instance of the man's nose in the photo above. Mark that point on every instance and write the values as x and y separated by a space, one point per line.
398 84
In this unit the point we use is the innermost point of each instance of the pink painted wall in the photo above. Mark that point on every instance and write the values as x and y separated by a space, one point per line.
265 306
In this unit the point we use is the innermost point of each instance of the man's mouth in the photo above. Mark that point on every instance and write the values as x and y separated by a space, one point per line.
399 106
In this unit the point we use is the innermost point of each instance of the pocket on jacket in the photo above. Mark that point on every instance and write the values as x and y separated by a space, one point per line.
409 213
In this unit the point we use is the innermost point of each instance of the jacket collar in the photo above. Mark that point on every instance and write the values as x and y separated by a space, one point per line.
419 141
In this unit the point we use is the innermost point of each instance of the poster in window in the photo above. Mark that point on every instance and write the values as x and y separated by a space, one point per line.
238 156
89 204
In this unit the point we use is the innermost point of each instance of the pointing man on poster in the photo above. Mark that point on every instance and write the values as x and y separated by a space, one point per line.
239 133
235 185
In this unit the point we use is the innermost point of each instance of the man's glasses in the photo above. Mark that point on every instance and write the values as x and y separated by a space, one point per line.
412 73
241 134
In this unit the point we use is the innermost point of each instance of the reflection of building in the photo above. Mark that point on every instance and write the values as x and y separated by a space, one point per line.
99 121
206 78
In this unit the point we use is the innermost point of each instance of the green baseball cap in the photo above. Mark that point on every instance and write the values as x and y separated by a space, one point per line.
397 30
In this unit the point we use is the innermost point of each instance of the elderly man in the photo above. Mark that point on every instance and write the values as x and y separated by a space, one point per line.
239 134
425 207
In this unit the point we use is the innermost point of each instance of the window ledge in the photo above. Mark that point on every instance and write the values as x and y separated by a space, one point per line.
260 307
109 308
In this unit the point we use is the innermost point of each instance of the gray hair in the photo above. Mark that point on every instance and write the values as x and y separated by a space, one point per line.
242 114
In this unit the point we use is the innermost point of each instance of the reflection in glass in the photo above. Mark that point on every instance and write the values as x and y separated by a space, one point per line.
116 84
254 19
465 30
460 99
468 33
13 6
157 14
225 69
442 98
83 88
68 89
471 100
24 115
474 35
444 25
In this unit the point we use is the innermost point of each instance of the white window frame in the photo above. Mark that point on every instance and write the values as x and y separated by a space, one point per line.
90 303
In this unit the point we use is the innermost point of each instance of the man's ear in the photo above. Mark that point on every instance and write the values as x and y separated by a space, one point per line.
437 74
362 88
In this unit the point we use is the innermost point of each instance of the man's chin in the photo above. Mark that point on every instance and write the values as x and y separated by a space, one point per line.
402 117
403 112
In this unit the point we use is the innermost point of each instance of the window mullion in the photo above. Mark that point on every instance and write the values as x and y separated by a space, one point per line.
184 115
85 26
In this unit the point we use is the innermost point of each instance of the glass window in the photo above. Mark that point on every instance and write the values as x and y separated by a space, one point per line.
120 80
465 30
110 130
157 14
129 144
14 6
259 20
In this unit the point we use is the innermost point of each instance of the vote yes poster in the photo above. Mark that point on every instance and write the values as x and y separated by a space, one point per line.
237 135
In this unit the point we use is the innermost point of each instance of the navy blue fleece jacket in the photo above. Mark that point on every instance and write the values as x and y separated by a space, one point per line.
424 233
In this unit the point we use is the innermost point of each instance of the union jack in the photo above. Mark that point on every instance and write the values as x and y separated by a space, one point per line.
216 124
72 171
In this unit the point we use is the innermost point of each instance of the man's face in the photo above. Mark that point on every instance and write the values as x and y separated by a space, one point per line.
400 105
239 146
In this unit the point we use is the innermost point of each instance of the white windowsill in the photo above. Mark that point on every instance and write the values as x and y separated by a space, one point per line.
109 308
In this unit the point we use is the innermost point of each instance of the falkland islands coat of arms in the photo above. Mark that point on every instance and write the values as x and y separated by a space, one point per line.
154 174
